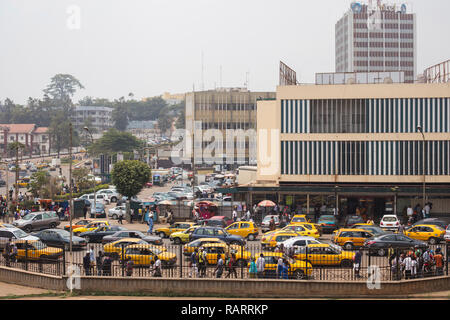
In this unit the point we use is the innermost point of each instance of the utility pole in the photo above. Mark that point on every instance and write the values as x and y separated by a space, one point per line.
16 186
70 192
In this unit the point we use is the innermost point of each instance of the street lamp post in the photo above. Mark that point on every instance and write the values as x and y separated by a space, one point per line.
95 190
70 196
419 128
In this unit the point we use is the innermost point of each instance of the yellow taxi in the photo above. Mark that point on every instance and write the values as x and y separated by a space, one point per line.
114 249
351 238
245 229
325 255
214 250
196 244
182 236
23 183
300 229
146 254
299 218
270 242
165 232
309 225
297 269
78 224
90 226
424 232
42 165
36 250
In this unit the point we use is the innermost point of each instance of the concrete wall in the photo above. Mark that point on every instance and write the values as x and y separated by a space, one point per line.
225 287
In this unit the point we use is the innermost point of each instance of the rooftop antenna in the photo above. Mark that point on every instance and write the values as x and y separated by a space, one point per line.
247 79
220 82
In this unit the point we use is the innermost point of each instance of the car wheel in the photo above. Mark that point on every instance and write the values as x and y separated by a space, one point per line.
177 240
114 216
346 263
27 229
299 275
52 225
381 252
251 237
162 235
88 239
432 241
235 242
113 199
348 246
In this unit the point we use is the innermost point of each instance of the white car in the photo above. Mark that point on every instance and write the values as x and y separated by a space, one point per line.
116 212
299 242
112 194
266 221
390 222
447 234
100 198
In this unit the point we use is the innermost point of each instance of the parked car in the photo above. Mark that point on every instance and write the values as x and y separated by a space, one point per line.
381 244
219 221
214 232
297 269
13 233
375 230
299 242
351 220
132 234
115 213
112 194
266 221
328 223
2 183
442 222
100 198
99 211
60 238
351 238
245 229
390 222
165 232
98 234
78 224
38 221
36 250
432 234
325 255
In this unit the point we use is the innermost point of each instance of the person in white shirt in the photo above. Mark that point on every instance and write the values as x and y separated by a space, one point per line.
234 215
260 266
409 211
407 263
279 267
413 268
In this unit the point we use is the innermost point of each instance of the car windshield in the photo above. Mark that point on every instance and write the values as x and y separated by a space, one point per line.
389 219
19 234
28 217
268 218
327 218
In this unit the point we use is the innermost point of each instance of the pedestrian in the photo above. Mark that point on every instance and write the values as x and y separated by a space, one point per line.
253 270
85 211
157 268
284 269
413 267
7 252
279 267
92 258
193 264
272 224
87 263
260 266
202 262
357 263
219 268
234 215
107 266
407 264
232 266
120 218
439 262
99 263
13 252
150 224
129 267
409 212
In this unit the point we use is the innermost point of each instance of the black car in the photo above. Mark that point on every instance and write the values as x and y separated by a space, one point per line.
2 183
380 245
132 234
220 233
351 220
441 222
60 238
98 234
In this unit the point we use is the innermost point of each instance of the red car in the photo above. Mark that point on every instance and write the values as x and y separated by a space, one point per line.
219 221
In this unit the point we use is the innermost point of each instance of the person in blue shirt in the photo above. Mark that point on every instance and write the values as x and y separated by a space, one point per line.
150 223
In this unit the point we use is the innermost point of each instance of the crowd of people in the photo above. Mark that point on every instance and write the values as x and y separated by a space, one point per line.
417 264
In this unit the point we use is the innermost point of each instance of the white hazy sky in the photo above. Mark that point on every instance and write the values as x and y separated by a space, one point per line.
151 46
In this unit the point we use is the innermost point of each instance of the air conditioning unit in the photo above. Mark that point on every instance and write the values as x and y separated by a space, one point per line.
351 81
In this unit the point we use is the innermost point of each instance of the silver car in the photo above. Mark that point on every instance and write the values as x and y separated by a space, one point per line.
38 221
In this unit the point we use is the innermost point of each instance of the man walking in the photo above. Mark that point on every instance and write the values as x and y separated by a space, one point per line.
260 266
408 265
357 263
439 260
219 269
150 224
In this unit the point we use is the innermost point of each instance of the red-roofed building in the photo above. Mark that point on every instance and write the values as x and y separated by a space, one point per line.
35 139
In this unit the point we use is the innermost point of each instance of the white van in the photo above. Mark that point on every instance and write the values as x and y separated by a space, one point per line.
100 198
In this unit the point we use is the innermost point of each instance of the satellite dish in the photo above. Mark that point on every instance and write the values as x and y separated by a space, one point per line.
356 7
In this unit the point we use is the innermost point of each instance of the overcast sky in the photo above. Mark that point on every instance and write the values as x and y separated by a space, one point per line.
151 46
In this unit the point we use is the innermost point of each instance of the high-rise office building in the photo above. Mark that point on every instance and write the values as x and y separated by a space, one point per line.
377 37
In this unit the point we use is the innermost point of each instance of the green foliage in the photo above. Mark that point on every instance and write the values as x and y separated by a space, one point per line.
79 194
59 131
39 179
114 141
120 117
130 176
80 178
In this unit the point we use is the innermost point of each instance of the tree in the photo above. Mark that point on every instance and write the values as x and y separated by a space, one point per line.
80 178
61 90
120 117
164 123
129 177
114 141
181 120
60 133
38 181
